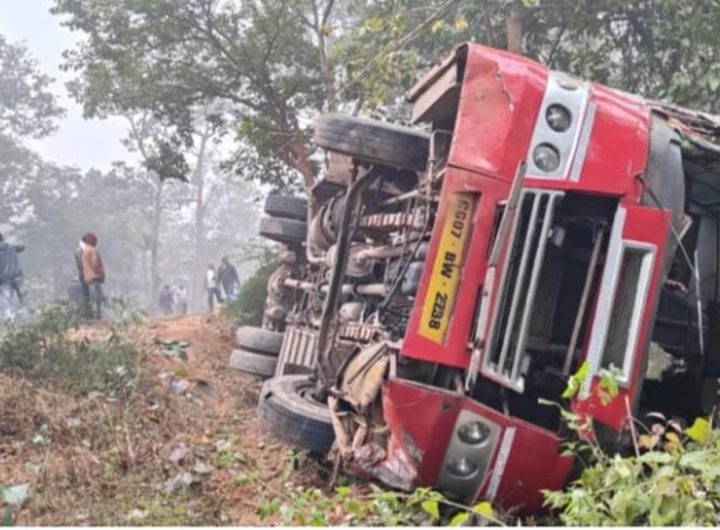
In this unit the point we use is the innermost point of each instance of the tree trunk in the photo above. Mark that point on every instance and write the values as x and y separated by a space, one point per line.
300 159
155 244
197 290
514 24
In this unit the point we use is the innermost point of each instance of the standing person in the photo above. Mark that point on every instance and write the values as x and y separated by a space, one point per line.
85 304
228 277
93 273
212 287
167 300
10 279
181 299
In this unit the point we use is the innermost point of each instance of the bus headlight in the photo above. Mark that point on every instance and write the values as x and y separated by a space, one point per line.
546 158
473 432
462 467
558 117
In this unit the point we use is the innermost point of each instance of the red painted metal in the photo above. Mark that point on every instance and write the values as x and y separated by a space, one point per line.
499 103
454 351
421 420
648 225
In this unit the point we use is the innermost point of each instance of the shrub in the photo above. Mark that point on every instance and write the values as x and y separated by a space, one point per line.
249 306
43 350
671 479
378 507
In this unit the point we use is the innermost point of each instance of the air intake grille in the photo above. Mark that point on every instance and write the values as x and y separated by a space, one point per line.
523 262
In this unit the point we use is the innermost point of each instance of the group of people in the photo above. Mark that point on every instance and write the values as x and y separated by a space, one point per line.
173 299
221 284
11 277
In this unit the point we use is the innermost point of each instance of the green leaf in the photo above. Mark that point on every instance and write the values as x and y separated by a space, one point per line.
459 518
432 508
483 508
7 519
437 26
576 380
608 385
655 457
342 491
699 431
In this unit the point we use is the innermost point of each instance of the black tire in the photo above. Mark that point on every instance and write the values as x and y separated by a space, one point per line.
253 363
286 206
286 231
373 141
259 340
287 411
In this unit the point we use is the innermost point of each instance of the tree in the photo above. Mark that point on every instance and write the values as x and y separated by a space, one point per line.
27 108
657 48
268 59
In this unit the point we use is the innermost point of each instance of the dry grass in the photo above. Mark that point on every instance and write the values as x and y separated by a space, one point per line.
101 460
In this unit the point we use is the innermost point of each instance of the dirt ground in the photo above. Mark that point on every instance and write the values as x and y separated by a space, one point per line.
185 449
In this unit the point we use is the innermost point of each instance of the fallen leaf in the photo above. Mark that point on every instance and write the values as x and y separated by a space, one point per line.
15 495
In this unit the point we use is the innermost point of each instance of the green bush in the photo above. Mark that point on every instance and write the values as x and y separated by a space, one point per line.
671 478
250 304
42 350
378 507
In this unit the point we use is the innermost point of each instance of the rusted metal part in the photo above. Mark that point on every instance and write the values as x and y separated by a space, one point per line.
362 332
332 300
396 470
342 436
361 436
699 122
362 377
280 297
382 221
589 279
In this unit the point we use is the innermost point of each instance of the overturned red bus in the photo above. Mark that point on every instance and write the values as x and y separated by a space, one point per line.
439 284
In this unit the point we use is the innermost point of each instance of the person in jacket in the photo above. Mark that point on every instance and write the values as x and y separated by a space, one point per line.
228 277
10 280
212 287
93 273
167 300
84 303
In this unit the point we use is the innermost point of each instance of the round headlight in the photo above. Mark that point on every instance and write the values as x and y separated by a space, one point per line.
462 467
473 432
546 158
558 117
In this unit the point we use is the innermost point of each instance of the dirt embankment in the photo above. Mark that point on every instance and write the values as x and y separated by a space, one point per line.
184 448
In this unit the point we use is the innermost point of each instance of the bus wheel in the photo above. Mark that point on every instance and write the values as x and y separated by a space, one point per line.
288 409
373 141
253 363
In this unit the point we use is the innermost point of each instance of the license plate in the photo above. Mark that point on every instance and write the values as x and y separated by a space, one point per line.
445 275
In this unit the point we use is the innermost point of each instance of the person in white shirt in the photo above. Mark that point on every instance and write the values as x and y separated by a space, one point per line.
212 287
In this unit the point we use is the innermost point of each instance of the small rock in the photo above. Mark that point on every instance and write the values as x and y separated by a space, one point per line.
179 386
181 480
261 445
72 422
178 454
136 514
201 468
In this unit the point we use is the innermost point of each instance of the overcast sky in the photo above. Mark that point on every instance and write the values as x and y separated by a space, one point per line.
77 142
